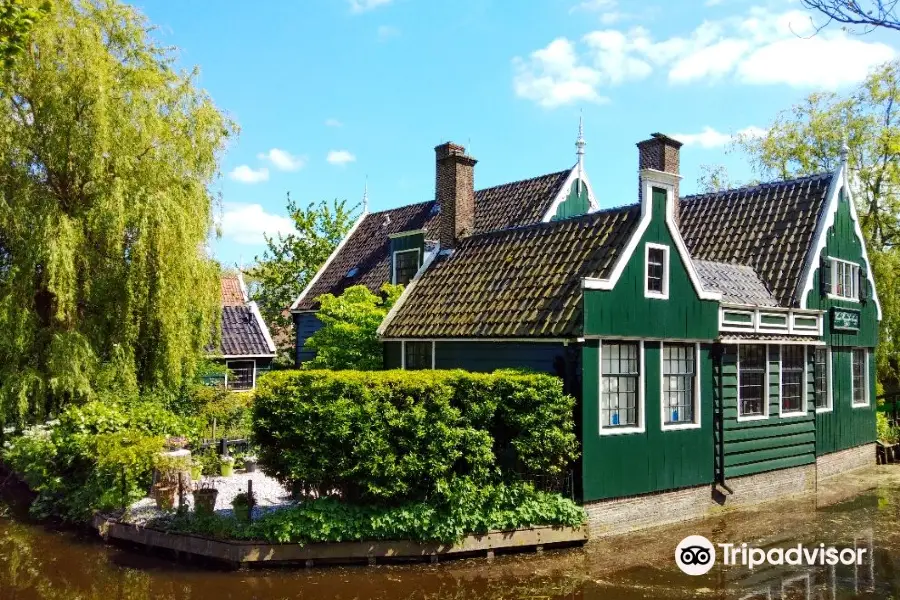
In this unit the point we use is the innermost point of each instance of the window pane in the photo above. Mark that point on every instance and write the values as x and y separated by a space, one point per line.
859 376
791 379
405 266
418 355
752 372
678 383
619 385
240 375
821 377
655 269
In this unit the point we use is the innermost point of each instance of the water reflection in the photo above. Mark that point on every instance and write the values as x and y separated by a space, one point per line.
40 564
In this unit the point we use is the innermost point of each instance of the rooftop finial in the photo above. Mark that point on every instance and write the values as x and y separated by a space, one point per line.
579 149
366 196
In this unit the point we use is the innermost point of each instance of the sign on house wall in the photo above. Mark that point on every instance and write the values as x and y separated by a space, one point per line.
844 319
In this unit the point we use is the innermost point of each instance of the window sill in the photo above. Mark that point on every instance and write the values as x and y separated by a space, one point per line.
656 295
854 405
680 426
844 298
794 414
825 409
620 430
752 418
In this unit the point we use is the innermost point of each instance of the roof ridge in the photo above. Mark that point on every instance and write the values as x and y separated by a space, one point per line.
759 186
548 224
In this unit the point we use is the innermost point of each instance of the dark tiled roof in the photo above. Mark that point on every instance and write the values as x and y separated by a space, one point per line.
241 333
768 227
500 207
738 283
232 294
523 282
518 203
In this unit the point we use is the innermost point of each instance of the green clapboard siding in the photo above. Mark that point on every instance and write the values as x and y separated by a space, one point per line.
625 311
845 426
841 242
575 203
654 460
752 447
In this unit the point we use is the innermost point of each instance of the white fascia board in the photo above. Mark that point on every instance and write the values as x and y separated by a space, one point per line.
239 356
262 325
563 193
649 178
775 309
840 180
336 251
429 258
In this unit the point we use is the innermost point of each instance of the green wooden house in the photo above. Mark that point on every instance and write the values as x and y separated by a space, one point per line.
720 345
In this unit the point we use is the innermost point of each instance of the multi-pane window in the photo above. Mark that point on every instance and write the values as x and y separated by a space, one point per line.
792 358
406 263
240 375
845 279
656 284
860 393
417 355
678 383
752 377
620 372
821 375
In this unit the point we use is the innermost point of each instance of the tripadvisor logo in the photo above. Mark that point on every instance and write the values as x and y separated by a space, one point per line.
696 555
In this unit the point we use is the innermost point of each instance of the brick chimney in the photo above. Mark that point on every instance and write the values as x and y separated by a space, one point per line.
454 191
661 154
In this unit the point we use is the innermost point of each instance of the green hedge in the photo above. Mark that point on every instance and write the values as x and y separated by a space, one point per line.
398 436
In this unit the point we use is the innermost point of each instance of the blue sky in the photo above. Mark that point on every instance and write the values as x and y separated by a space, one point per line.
329 92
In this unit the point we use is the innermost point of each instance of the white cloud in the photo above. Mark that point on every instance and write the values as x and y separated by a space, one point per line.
361 6
552 76
710 138
245 174
246 223
283 160
333 123
758 47
386 32
594 6
340 157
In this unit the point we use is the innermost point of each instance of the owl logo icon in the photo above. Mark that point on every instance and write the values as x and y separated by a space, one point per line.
695 555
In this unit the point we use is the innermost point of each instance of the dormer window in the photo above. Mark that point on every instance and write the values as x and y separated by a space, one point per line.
656 271
406 264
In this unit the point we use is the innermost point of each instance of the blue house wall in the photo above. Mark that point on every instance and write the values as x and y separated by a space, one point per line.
305 324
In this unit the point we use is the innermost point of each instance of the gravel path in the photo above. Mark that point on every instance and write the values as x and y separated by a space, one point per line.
270 495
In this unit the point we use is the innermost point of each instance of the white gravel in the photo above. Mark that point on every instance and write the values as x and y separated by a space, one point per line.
270 495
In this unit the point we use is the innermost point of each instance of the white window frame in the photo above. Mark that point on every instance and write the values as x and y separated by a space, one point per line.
866 395
697 423
403 352
664 295
804 407
641 395
766 385
829 370
854 280
394 262
241 360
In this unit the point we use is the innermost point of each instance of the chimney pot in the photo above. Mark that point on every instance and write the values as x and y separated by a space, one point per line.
454 192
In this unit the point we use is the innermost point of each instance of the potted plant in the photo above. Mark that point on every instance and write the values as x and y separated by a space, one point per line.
196 470
169 471
205 498
242 505
250 463
176 442
226 466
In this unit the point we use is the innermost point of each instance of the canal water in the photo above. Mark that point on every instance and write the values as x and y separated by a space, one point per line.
37 563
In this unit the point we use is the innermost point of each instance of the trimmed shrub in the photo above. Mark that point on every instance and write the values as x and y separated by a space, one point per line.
398 436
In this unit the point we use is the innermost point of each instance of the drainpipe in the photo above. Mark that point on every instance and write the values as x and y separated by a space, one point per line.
717 353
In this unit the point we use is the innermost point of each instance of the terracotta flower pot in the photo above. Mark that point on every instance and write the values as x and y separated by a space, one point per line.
205 501
164 494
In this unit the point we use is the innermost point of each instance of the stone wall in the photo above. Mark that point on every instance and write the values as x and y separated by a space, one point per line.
835 463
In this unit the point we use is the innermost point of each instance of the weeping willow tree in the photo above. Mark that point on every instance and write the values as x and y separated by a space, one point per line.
107 153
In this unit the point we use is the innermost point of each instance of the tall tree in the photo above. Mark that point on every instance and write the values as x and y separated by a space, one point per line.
106 157
17 19
713 178
862 16
291 260
808 139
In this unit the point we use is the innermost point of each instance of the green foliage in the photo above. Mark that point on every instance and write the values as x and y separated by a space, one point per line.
95 457
348 338
291 260
107 154
394 436
468 509
17 19
886 432
807 139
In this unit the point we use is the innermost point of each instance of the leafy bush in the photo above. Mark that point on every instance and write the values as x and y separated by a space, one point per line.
885 431
398 436
97 456
468 509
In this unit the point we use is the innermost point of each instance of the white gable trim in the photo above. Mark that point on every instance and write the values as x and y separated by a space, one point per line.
563 193
334 254
651 178
262 325
840 180
429 258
